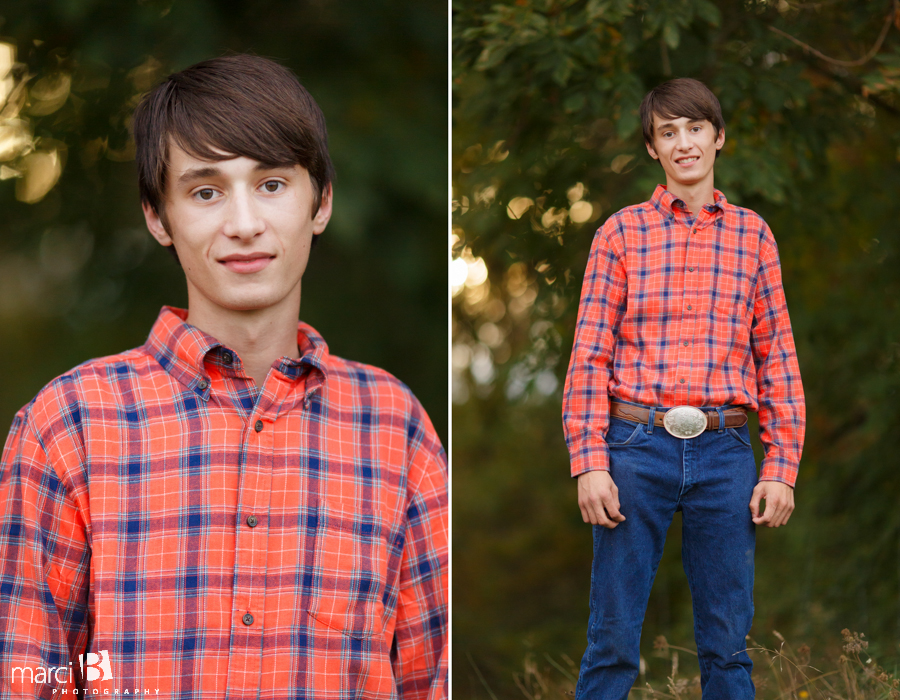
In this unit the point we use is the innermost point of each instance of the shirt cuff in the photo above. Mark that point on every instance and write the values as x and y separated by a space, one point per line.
590 458
778 471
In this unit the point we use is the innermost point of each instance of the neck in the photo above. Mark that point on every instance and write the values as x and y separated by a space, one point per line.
258 336
695 196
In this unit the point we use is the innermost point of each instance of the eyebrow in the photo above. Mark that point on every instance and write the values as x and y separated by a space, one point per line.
208 171
192 174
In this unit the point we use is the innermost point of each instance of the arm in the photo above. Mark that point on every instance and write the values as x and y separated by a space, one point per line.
420 653
586 401
44 570
782 410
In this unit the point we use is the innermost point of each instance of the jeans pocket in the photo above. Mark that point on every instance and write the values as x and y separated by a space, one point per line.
741 434
618 434
350 562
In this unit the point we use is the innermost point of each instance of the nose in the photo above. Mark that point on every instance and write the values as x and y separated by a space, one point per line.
683 142
243 220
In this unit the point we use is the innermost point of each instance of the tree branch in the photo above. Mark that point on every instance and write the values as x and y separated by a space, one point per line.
854 86
895 12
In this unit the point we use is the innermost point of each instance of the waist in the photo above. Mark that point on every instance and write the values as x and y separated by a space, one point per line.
682 421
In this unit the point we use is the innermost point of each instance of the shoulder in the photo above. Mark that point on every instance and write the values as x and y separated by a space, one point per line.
630 219
369 388
373 394
746 221
634 215
62 403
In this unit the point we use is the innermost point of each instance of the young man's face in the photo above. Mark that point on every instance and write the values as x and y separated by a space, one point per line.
242 230
686 148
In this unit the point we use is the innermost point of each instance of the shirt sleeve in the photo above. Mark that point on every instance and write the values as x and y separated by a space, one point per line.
586 399
782 410
44 571
420 652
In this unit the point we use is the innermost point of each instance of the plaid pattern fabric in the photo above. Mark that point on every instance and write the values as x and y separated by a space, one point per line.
214 540
676 311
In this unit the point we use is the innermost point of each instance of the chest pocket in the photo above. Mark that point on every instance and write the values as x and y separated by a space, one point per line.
350 568
731 295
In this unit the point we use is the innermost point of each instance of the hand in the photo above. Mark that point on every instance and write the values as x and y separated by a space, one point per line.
598 499
779 500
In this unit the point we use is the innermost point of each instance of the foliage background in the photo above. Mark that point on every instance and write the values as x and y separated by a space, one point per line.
546 145
80 276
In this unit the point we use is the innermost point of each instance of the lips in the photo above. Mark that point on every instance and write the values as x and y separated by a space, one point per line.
245 263
689 160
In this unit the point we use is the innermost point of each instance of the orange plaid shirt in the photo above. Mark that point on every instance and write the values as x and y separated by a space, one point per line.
677 310
202 537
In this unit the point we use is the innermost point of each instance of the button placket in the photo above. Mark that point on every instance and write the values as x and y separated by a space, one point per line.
691 312
252 545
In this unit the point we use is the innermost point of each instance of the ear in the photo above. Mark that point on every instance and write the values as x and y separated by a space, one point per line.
155 225
651 151
323 216
720 139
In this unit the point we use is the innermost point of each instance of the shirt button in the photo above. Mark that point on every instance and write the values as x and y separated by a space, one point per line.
251 520
681 380
690 307
227 358
686 343
258 426
691 269
203 384
247 619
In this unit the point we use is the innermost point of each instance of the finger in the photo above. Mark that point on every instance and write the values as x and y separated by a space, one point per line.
782 515
766 516
785 514
601 518
612 509
584 513
754 503
774 519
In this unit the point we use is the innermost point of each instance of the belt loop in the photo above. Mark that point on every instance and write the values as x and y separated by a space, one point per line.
721 419
651 421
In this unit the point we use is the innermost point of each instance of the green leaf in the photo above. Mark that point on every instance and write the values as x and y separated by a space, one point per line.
708 11
671 35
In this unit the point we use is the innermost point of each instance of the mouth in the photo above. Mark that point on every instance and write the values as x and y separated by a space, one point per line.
688 160
246 262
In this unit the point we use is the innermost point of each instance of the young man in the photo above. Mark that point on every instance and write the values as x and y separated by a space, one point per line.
682 329
228 510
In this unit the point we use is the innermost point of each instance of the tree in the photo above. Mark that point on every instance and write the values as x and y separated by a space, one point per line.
546 145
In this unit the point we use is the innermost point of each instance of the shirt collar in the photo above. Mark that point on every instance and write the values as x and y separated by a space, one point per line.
181 350
666 202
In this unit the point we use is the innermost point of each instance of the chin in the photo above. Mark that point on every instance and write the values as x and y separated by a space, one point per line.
249 302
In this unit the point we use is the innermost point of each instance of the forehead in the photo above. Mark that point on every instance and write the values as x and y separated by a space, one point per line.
183 166
660 122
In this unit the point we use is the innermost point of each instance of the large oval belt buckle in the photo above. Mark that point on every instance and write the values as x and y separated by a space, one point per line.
684 422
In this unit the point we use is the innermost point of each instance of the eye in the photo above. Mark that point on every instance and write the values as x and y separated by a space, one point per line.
205 194
273 186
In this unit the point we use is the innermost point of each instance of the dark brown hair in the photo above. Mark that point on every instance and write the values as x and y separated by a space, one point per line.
681 97
240 105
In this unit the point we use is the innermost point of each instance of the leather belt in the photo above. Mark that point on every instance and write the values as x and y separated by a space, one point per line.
734 417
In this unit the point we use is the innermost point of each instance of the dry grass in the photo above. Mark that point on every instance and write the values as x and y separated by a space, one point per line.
784 673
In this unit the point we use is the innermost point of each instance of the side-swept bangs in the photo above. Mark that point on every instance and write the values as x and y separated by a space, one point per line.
228 107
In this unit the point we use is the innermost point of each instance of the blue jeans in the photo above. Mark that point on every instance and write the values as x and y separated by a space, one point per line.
710 478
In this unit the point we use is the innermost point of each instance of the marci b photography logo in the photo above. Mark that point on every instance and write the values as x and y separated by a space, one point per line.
94 667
